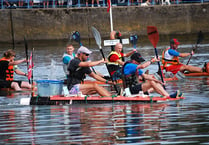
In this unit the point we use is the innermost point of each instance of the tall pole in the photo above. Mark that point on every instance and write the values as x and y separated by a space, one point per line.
111 23
12 29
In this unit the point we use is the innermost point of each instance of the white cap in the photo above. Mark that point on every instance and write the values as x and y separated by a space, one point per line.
83 49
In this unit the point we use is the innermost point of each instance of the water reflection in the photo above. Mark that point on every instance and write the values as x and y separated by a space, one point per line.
184 122
87 124
107 124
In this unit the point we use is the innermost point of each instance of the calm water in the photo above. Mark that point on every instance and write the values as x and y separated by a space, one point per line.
184 122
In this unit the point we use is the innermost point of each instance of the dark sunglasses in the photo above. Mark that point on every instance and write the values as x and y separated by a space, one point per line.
86 54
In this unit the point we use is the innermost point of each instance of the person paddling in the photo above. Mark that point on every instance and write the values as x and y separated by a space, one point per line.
115 61
132 74
7 69
78 68
171 63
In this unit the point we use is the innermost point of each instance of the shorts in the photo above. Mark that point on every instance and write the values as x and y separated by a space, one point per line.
75 89
174 68
136 89
7 84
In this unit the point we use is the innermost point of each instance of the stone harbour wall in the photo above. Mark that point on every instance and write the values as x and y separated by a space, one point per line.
57 23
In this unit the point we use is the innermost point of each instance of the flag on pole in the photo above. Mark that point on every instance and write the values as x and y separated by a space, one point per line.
109 5
30 67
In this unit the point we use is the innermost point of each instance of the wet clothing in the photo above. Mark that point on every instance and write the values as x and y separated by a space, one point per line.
170 60
77 74
130 77
66 58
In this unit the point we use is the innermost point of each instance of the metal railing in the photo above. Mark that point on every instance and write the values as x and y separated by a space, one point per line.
5 4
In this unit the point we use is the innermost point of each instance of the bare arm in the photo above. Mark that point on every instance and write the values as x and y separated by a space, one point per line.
19 72
151 78
120 62
130 53
184 54
91 63
17 62
146 64
99 78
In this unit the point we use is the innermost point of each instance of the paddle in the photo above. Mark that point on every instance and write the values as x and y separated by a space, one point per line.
133 40
98 41
118 35
26 52
76 37
200 37
154 37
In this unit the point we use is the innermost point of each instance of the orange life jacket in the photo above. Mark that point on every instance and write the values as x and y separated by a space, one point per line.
167 62
9 70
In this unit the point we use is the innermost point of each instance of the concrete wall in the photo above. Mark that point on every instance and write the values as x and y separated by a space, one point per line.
42 24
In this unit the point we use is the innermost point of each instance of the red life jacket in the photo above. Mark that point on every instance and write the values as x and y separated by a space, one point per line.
9 70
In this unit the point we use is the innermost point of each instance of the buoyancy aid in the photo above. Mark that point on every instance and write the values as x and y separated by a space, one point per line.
118 54
9 70
113 66
129 80
167 62
66 65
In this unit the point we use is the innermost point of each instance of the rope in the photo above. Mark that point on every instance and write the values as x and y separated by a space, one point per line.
37 99
86 99
151 100
113 96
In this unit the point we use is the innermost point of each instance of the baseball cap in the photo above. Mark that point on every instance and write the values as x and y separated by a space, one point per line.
137 57
174 41
83 49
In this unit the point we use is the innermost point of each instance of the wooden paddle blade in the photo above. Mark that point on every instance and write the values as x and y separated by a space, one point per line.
200 37
96 36
153 35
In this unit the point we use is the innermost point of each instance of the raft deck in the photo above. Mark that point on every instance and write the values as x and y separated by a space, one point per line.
61 100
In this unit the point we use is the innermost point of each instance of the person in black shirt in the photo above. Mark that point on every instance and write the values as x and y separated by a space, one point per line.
78 68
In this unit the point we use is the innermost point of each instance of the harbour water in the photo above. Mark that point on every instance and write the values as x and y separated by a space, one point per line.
183 122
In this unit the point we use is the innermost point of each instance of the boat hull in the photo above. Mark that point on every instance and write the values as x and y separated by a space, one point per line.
197 74
61 100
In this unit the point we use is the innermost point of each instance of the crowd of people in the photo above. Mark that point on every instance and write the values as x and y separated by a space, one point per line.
73 3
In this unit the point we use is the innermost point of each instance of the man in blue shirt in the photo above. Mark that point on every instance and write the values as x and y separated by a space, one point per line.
171 63
133 73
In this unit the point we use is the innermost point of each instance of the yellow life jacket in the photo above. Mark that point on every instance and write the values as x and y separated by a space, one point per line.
9 70
167 62
114 63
